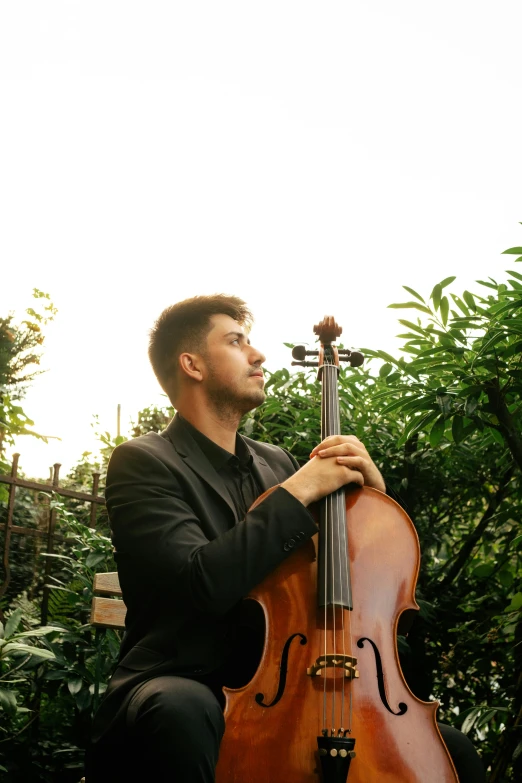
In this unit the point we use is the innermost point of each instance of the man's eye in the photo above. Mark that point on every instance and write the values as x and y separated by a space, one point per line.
236 340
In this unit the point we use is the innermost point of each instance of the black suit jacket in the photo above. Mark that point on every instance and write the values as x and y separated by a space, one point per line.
184 559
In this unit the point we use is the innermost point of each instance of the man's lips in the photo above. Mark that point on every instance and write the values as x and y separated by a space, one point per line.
257 375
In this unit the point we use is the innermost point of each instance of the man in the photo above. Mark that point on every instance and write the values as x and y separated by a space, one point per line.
188 549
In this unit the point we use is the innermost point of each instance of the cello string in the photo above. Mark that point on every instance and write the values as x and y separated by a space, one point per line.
328 516
324 532
338 502
350 629
331 428
341 531
340 517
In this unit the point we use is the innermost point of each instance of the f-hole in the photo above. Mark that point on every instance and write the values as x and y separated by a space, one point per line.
380 678
283 671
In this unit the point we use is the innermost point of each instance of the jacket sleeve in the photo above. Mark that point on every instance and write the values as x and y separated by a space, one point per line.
156 532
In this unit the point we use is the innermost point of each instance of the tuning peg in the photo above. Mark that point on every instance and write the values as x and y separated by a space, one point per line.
299 352
354 357
305 364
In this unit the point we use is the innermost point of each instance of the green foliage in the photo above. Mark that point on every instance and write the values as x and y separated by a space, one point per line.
20 350
152 419
53 677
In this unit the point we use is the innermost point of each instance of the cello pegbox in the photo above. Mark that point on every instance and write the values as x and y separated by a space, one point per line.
328 330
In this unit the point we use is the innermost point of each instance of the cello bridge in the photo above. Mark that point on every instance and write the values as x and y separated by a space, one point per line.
344 662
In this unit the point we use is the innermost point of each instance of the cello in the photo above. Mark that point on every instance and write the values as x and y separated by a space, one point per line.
328 702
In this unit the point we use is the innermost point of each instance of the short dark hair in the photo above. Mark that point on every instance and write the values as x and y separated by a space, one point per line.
184 327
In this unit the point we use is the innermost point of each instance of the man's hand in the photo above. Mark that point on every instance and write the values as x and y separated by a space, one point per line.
320 477
349 451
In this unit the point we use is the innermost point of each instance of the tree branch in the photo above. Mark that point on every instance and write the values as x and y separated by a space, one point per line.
507 426
472 540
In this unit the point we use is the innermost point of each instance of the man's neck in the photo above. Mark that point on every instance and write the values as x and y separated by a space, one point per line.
221 432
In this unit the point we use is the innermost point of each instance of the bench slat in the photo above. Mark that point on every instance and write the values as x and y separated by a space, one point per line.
108 613
107 584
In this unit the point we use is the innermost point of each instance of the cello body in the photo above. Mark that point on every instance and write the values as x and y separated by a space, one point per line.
273 722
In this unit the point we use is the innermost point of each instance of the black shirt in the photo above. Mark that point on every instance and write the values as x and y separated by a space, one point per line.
234 469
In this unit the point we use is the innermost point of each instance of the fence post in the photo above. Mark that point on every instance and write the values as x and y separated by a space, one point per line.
8 526
50 548
95 483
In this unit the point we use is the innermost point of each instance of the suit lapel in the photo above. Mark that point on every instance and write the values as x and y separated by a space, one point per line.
192 455
264 474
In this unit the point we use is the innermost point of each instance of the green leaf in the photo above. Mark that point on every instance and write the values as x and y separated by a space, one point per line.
457 428
42 631
470 301
8 701
460 304
415 327
385 356
444 309
496 435
412 305
447 281
395 405
13 623
38 652
515 251
505 308
491 342
83 700
484 570
512 350
94 558
56 674
414 293
514 274
436 295
385 370
516 603
470 406
75 685
437 431
415 425
488 285
505 577
485 717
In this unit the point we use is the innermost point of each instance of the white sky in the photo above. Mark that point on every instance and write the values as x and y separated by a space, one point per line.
308 157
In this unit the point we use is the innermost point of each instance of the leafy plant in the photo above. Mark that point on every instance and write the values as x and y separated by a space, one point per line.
19 351
64 693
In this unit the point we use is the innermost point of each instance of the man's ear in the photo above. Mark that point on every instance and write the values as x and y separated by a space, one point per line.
191 365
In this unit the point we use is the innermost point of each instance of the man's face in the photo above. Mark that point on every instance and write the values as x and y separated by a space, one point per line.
232 367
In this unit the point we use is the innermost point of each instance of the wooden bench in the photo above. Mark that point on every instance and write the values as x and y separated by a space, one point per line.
107 612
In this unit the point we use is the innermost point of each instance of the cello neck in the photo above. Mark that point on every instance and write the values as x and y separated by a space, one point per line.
334 583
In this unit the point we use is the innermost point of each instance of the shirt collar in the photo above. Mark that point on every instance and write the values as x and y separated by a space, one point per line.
217 456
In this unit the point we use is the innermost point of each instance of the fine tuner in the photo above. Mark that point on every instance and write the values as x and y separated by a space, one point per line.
299 352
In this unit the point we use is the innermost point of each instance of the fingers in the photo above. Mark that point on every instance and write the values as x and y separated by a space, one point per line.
364 465
354 477
333 441
353 462
349 445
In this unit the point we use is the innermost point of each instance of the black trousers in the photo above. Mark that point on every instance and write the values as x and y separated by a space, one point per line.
171 733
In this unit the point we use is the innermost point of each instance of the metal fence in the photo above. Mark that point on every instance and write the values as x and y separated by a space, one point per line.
48 531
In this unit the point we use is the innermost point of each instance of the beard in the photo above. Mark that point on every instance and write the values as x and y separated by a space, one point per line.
233 400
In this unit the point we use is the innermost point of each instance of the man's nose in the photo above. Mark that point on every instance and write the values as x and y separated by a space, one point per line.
257 357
